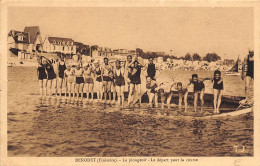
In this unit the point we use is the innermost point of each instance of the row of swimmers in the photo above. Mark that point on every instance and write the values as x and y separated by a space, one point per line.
116 78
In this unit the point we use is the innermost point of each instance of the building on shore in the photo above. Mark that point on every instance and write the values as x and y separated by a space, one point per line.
24 43
59 45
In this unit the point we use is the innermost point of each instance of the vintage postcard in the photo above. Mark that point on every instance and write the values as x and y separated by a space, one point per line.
130 83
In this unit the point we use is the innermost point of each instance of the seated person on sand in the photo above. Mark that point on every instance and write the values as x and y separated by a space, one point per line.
182 93
151 85
199 88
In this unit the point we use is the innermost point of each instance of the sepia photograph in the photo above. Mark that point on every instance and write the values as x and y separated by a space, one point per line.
130 82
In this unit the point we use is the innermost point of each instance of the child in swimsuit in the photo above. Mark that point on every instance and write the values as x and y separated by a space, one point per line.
69 75
51 76
151 85
42 76
79 82
217 90
89 79
112 84
199 88
182 93
120 82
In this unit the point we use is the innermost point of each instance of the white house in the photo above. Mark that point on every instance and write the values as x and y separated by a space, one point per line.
58 44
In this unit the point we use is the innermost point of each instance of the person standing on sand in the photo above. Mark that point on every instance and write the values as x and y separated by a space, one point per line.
61 69
113 86
79 82
135 80
151 85
42 76
51 76
105 78
69 75
119 83
89 72
248 74
217 90
127 73
199 88
151 69
98 83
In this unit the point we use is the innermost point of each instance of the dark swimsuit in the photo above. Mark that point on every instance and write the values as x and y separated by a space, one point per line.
79 80
151 71
62 68
98 79
135 79
119 80
148 86
42 74
250 68
51 73
216 85
198 86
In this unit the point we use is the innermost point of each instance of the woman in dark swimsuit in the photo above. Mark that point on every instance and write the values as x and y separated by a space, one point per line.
119 82
42 76
51 76
217 90
61 69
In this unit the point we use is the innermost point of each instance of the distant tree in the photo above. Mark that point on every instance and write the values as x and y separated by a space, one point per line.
139 52
188 57
196 57
211 57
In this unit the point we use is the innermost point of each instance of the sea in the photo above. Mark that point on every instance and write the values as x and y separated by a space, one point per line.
47 128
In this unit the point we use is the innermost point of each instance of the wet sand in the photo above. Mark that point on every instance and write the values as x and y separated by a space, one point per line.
48 128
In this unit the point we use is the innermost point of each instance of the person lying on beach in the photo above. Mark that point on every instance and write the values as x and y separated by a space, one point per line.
199 88
69 75
135 80
151 85
183 94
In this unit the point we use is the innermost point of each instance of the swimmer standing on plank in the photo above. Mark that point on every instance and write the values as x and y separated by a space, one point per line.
69 75
79 82
106 79
42 76
89 80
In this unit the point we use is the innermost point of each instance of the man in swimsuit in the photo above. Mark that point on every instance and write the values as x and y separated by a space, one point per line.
199 88
248 74
98 82
89 80
135 80
151 70
164 89
79 82
69 75
106 79
119 82
151 85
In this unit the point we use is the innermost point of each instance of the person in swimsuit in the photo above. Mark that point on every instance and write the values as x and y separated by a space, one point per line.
164 89
183 94
51 76
42 76
248 74
113 86
120 83
151 70
151 85
79 82
98 83
127 73
217 90
135 80
105 78
61 69
89 80
199 88
69 75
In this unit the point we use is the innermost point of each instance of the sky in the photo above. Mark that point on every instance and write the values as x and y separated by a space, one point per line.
225 31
